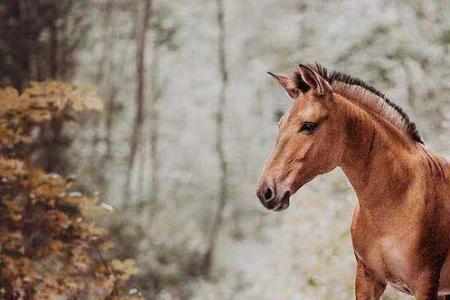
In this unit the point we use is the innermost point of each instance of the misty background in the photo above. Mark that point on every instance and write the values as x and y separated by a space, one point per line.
190 116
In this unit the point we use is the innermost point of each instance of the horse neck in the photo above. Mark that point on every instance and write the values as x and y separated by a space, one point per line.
377 159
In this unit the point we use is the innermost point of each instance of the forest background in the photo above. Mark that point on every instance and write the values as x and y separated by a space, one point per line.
175 116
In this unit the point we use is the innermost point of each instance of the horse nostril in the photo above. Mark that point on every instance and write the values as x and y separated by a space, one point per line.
268 194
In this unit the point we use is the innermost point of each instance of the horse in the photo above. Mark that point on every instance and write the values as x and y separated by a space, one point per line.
401 223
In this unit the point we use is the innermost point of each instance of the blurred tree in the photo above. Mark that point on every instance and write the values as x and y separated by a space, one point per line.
50 246
108 83
154 128
220 139
142 15
162 37
38 41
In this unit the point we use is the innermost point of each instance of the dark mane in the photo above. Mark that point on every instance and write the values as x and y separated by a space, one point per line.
335 76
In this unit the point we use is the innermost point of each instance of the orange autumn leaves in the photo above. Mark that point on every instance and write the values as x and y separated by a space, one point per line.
38 104
50 246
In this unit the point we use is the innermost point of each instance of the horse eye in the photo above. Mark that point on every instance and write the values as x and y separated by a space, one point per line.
308 127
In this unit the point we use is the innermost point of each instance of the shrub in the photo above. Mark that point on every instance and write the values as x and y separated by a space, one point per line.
49 245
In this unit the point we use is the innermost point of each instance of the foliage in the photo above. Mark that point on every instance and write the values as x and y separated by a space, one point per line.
38 104
50 247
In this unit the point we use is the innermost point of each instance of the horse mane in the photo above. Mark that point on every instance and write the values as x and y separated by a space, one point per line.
367 96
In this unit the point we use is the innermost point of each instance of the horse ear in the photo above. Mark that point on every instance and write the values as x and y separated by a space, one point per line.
287 83
315 81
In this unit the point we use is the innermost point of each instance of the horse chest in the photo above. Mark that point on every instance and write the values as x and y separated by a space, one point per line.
387 257
387 260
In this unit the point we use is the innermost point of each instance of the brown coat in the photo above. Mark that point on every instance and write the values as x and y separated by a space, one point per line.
401 224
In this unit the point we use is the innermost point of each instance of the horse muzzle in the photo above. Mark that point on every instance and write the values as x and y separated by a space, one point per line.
272 199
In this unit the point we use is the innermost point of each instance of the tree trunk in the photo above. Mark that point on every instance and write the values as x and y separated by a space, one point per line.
143 9
154 129
53 51
105 78
223 178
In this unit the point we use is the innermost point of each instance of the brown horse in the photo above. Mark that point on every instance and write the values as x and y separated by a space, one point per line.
401 224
